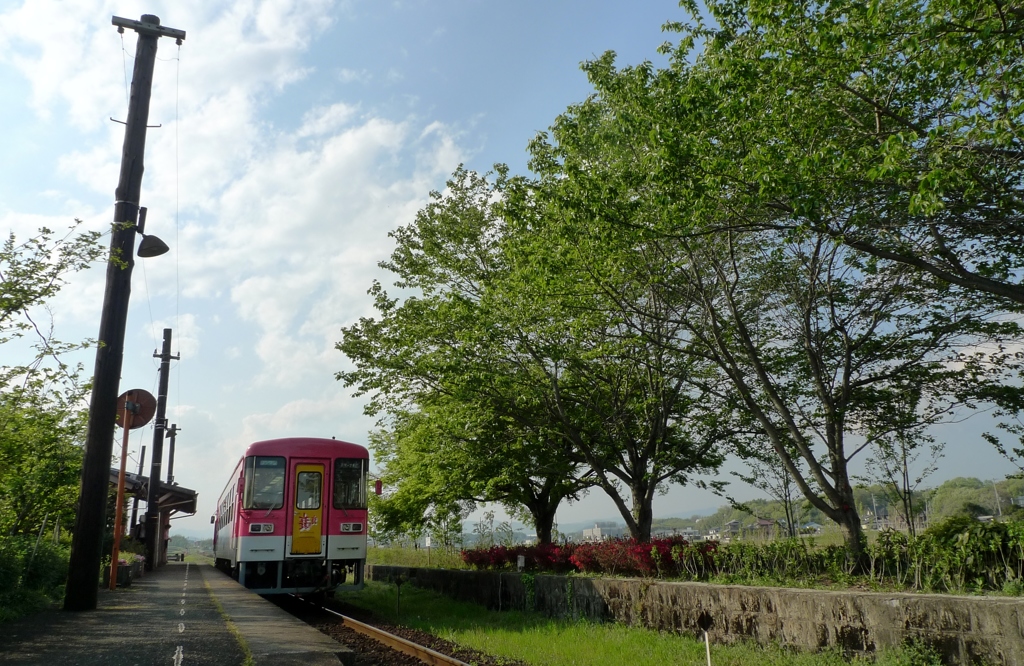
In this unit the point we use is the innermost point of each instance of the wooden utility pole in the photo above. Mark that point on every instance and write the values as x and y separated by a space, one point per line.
154 528
83 578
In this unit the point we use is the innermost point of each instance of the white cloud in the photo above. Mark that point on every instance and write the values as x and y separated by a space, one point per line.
185 334
346 75
323 415
275 223
324 120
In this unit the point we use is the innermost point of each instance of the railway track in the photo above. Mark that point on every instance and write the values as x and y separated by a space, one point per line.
377 646
424 654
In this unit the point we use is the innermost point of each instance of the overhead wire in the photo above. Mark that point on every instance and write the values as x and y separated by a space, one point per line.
177 194
124 67
177 291
149 301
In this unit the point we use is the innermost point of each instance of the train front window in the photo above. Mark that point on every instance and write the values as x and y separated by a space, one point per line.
350 483
264 482
307 493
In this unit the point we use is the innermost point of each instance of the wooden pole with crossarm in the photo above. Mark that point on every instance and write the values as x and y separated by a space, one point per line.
87 542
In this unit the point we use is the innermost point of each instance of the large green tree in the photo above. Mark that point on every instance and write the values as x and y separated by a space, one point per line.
456 454
816 339
509 322
459 425
632 407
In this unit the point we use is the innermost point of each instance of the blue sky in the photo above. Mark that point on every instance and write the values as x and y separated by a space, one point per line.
295 134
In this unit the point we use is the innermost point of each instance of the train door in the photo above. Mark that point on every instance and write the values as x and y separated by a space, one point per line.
307 508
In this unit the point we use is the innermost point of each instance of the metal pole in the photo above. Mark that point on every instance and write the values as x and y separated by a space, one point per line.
129 410
87 542
154 527
171 434
135 500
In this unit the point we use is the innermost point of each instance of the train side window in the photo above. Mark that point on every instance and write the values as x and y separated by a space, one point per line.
264 482
350 483
307 492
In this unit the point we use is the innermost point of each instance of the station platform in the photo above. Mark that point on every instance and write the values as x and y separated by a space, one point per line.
183 614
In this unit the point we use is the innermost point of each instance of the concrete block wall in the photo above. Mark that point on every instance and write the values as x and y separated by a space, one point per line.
964 629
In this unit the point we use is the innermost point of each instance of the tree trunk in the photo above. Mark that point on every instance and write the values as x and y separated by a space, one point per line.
643 515
543 520
854 535
791 527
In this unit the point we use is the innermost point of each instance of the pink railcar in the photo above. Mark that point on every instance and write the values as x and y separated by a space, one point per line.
292 517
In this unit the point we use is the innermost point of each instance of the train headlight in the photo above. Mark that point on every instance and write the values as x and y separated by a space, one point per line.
352 527
261 528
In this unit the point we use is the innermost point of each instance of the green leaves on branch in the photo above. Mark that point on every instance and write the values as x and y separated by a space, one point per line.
797 242
42 420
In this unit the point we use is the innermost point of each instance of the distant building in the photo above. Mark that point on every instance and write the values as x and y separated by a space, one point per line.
811 528
687 533
690 534
602 531
763 528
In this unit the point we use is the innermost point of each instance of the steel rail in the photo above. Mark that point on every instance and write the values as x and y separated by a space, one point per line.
423 653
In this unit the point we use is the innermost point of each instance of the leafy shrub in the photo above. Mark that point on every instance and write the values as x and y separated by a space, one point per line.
46 569
540 557
958 555
31 576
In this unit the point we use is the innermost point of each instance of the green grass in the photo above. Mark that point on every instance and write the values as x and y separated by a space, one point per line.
543 641
414 557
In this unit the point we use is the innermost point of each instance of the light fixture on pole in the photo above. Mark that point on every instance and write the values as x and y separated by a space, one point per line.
151 246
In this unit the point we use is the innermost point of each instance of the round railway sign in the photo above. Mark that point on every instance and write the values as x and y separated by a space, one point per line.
142 406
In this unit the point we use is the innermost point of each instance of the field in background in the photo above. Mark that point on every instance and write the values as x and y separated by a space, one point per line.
415 557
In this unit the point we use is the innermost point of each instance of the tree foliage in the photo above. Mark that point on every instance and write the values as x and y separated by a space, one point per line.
42 420
798 241
728 173
892 127
41 417
40 458
34 270
460 423
507 328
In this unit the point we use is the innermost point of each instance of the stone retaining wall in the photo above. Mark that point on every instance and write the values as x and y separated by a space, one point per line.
963 629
